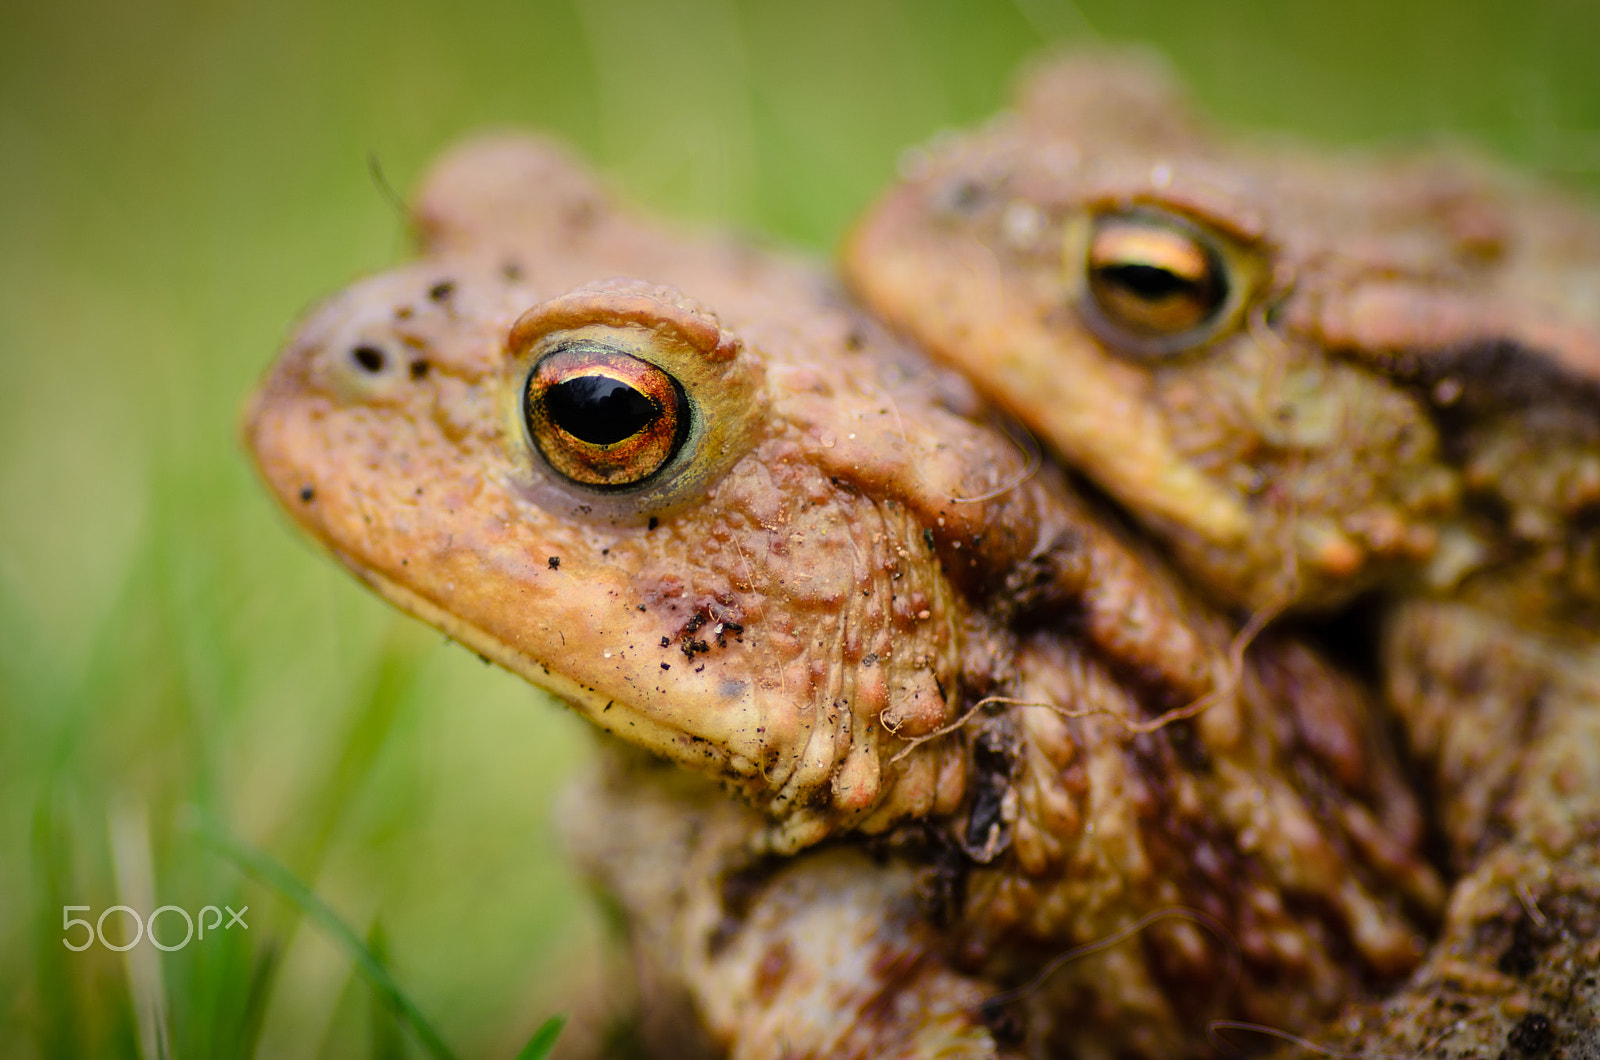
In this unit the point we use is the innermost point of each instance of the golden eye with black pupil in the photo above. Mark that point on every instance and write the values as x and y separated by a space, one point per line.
1154 278
625 401
604 418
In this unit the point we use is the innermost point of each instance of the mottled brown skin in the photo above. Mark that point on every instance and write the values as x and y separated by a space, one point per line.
1399 397
813 608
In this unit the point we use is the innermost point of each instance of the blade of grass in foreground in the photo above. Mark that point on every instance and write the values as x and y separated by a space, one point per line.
372 966
543 1040
286 883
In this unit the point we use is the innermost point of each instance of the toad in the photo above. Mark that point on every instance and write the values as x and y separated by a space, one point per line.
909 752
1318 380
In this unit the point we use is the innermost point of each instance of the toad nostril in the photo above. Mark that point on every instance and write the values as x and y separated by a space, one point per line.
370 358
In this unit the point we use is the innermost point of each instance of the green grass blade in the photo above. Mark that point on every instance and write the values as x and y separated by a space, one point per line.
286 883
387 1041
543 1040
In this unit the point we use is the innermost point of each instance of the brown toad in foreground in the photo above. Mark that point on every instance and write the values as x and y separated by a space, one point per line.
1317 380
968 774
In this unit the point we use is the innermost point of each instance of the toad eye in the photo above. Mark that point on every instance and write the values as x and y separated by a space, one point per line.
602 417
1153 280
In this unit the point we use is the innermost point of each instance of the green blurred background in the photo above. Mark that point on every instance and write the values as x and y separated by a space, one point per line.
178 179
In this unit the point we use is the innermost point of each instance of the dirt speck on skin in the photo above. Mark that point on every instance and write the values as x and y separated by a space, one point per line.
1532 1036
1521 957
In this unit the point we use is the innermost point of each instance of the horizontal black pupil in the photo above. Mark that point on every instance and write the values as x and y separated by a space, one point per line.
1150 281
598 409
